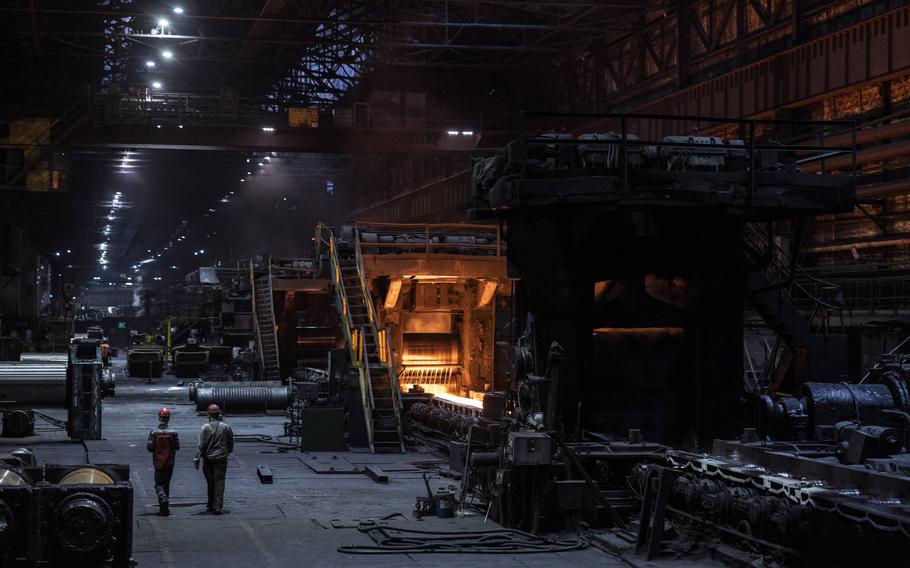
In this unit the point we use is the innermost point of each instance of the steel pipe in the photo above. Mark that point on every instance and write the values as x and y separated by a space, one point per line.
32 384
45 357
232 399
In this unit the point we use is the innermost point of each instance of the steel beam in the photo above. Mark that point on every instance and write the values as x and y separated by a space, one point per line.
317 140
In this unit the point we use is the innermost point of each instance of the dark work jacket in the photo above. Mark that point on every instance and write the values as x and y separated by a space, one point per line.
163 444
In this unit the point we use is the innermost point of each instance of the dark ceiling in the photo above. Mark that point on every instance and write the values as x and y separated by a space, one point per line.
272 54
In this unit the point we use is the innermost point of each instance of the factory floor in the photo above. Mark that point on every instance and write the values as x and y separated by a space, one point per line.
291 522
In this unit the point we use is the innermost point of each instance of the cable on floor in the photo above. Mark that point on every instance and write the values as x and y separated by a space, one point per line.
392 540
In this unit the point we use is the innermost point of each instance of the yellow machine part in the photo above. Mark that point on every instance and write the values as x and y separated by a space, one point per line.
86 476
9 477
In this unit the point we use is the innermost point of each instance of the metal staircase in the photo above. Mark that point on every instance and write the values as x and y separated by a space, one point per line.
369 347
264 324
784 295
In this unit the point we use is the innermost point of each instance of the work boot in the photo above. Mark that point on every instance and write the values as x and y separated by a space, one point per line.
216 511
163 509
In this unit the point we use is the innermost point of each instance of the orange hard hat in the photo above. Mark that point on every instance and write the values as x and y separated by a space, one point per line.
214 409
164 413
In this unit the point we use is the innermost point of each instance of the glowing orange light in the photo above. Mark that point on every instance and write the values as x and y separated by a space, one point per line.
640 330
460 400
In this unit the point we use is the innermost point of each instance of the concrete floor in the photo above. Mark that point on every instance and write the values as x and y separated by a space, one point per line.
288 523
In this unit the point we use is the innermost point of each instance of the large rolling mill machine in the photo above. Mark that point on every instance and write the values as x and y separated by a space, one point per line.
627 407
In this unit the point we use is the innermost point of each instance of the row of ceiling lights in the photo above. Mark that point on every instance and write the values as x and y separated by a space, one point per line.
163 28
180 235
116 203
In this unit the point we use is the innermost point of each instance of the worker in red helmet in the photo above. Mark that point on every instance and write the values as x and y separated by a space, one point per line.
216 443
105 348
163 443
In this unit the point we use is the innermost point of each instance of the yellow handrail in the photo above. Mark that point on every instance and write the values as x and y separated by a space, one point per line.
256 329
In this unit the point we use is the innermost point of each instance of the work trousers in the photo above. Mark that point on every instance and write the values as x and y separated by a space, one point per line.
163 484
215 472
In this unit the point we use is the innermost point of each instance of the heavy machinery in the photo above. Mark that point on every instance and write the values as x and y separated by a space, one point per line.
73 515
73 381
626 406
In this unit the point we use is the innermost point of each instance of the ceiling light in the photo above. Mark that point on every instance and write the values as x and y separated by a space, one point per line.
268 129
467 133
157 126
267 159
178 10
156 85
179 126
96 278
248 160
452 132
249 173
241 179
260 164
149 63
167 54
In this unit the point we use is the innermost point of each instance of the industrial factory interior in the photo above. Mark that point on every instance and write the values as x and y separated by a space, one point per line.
483 283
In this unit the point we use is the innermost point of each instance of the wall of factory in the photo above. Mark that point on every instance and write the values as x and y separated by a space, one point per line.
411 189
25 279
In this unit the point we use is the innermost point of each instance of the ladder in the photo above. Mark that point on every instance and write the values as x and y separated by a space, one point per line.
264 323
370 349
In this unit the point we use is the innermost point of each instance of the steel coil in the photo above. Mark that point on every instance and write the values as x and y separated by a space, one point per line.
232 399
32 384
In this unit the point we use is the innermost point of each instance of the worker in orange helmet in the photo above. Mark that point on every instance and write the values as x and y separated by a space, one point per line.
216 443
163 443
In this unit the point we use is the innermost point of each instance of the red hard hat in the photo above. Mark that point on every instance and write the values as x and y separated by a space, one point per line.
164 413
214 409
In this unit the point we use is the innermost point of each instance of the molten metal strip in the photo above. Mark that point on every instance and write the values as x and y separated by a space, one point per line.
460 400
639 330
429 374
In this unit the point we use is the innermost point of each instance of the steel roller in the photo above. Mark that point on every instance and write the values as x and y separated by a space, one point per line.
45 357
243 398
193 387
32 384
